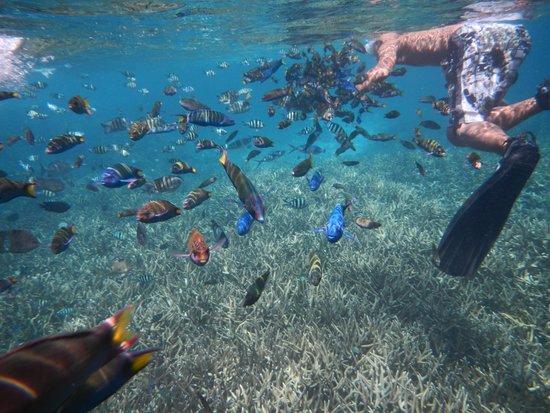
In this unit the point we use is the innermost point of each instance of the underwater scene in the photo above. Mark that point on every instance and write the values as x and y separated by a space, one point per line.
274 206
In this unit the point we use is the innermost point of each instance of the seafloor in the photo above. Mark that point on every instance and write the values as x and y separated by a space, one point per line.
384 331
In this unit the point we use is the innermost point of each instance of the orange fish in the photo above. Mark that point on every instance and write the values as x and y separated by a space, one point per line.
197 249
199 252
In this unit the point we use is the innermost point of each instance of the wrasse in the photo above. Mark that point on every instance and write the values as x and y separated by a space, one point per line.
120 174
277 94
209 117
315 269
79 105
82 369
181 167
192 104
164 184
194 198
263 72
157 211
62 239
63 143
431 146
246 191
12 189
262 142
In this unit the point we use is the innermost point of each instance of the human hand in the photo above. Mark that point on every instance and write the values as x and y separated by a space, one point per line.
374 75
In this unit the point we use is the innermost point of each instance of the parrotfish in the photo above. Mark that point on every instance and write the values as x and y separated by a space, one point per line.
315 181
336 224
244 223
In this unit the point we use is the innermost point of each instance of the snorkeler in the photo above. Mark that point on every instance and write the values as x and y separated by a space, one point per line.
481 61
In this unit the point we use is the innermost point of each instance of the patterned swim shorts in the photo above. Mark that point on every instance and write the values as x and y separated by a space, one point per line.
483 63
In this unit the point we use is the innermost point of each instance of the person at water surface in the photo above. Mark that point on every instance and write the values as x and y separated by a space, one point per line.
481 61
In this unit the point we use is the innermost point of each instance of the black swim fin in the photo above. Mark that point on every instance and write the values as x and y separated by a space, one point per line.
477 224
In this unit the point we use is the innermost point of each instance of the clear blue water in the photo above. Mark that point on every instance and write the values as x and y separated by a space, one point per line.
93 42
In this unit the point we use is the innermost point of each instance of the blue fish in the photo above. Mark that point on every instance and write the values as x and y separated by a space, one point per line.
316 180
244 223
336 224
270 69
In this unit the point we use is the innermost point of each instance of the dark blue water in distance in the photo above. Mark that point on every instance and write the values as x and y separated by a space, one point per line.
384 331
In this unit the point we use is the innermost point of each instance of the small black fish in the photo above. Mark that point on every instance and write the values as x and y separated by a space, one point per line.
408 144
338 185
55 206
350 163
420 168
398 71
255 290
141 234
231 136
208 182
219 235
253 154
427 99
430 124
392 114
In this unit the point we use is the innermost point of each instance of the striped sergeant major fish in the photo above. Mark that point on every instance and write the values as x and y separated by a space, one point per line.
254 123
296 203
339 132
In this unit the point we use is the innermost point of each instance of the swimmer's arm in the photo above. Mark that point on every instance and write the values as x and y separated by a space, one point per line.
387 56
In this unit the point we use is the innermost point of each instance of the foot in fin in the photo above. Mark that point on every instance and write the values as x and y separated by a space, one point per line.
477 224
